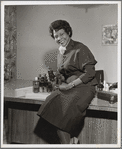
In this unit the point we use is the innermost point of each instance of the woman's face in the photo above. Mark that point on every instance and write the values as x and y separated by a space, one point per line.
61 37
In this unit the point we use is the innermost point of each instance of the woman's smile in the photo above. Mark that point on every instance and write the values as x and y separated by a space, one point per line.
61 37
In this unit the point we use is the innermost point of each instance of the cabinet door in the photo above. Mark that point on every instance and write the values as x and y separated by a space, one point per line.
23 120
100 127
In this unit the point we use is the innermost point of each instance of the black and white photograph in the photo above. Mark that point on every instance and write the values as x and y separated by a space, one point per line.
60 74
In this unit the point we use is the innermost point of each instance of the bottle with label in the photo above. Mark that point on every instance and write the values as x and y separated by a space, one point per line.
36 85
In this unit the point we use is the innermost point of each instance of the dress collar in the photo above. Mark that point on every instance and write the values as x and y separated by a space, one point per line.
67 48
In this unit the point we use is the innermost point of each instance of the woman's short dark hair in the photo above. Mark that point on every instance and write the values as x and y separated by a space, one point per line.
60 24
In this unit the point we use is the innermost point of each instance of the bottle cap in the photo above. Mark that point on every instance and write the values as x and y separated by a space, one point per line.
36 78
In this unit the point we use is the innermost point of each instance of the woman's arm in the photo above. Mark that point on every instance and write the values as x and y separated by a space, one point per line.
85 77
87 63
65 86
89 74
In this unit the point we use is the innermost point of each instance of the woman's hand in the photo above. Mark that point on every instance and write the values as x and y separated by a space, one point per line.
65 86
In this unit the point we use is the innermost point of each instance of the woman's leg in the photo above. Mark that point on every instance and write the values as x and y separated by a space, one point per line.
64 137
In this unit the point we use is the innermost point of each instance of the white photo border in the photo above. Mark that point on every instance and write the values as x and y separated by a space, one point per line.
3 4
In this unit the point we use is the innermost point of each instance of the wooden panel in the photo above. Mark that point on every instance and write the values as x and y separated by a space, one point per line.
23 120
21 124
99 129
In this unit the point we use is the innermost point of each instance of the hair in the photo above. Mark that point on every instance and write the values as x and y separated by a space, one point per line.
60 24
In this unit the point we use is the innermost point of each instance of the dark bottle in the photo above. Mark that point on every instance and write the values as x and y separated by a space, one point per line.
36 85
39 78
49 87
58 79
42 82
51 75
45 80
100 86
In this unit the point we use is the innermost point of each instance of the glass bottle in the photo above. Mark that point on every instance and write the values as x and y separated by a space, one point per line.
36 85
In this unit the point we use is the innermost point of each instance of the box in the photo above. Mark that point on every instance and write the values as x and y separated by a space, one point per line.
108 96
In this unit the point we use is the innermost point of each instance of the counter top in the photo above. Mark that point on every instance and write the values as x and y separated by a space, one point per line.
9 95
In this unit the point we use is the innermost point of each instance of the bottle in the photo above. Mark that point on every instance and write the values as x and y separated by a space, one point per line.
107 87
36 85
100 85
51 75
39 79
42 83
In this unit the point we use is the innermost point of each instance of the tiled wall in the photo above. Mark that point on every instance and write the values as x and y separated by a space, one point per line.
10 43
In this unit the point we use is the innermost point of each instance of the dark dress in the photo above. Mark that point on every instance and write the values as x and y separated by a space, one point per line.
65 109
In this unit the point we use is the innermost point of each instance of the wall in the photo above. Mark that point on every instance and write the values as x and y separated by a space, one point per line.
34 42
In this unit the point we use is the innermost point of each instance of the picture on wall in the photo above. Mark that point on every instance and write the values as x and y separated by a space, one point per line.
110 35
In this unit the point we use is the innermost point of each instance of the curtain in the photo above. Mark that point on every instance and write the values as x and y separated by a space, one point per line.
10 42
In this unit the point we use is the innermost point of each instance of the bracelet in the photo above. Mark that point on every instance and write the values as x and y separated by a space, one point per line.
56 87
73 85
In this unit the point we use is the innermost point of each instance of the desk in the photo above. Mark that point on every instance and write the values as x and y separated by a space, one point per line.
100 123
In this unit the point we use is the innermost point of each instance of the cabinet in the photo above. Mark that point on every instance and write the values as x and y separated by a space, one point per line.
99 127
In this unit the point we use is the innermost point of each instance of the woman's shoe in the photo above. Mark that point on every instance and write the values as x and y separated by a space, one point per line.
78 142
74 140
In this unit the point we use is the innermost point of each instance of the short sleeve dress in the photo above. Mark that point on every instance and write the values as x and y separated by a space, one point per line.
65 109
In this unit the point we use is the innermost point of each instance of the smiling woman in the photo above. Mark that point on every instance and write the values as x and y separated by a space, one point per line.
66 107
61 35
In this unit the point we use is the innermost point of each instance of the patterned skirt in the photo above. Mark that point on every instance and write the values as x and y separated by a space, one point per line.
65 109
